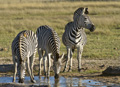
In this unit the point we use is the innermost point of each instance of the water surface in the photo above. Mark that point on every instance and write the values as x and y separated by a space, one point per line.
62 82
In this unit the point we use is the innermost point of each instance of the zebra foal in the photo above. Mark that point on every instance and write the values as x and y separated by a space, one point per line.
49 42
75 37
24 48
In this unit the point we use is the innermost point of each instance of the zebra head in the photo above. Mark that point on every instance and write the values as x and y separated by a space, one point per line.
57 65
21 71
82 20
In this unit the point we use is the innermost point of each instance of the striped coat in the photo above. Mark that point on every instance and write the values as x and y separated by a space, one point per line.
49 42
74 36
24 48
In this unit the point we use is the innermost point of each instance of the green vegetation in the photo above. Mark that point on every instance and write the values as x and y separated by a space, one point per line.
101 44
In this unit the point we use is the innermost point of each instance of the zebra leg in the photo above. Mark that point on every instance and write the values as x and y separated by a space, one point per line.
49 64
70 66
15 68
21 70
29 71
32 64
40 59
79 55
44 63
68 58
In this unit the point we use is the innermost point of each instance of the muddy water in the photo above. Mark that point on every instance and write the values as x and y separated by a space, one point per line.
62 82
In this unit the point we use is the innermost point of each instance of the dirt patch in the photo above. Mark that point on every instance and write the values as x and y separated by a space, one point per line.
93 69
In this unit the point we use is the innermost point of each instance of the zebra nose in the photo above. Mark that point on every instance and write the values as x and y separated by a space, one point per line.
92 28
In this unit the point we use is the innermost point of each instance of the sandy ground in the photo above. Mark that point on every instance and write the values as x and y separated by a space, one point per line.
92 69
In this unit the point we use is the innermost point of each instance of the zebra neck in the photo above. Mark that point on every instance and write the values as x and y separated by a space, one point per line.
75 35
76 28
76 25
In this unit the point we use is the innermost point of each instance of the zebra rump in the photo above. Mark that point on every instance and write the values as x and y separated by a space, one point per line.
24 48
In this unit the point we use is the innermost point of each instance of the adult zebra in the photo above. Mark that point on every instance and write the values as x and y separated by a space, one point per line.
75 37
24 48
49 42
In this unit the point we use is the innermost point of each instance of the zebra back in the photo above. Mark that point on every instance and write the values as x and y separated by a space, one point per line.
47 37
25 41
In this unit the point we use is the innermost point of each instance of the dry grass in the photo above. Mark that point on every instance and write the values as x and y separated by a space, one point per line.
103 43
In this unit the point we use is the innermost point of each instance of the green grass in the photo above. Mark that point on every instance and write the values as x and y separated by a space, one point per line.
101 44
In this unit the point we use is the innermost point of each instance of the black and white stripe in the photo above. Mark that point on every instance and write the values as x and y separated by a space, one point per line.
49 42
74 35
24 48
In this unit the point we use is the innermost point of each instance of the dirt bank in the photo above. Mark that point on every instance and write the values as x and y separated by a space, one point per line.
20 85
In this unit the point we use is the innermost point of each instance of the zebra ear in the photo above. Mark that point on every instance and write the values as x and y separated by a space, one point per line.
86 11
79 11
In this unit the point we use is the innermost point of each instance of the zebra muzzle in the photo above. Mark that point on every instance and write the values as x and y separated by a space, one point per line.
92 28
21 80
56 76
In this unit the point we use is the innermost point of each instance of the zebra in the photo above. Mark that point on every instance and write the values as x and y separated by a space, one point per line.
24 48
49 42
74 36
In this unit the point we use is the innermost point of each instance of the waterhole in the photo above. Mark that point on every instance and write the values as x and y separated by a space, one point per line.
61 82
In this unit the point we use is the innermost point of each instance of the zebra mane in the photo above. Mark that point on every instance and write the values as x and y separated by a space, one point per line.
55 36
79 12
86 11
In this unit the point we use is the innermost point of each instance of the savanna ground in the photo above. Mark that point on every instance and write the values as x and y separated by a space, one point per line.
102 48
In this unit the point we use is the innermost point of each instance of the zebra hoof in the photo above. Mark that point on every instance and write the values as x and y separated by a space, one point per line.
39 74
21 80
79 70
48 76
33 81
45 74
56 76
13 80
64 70
69 70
